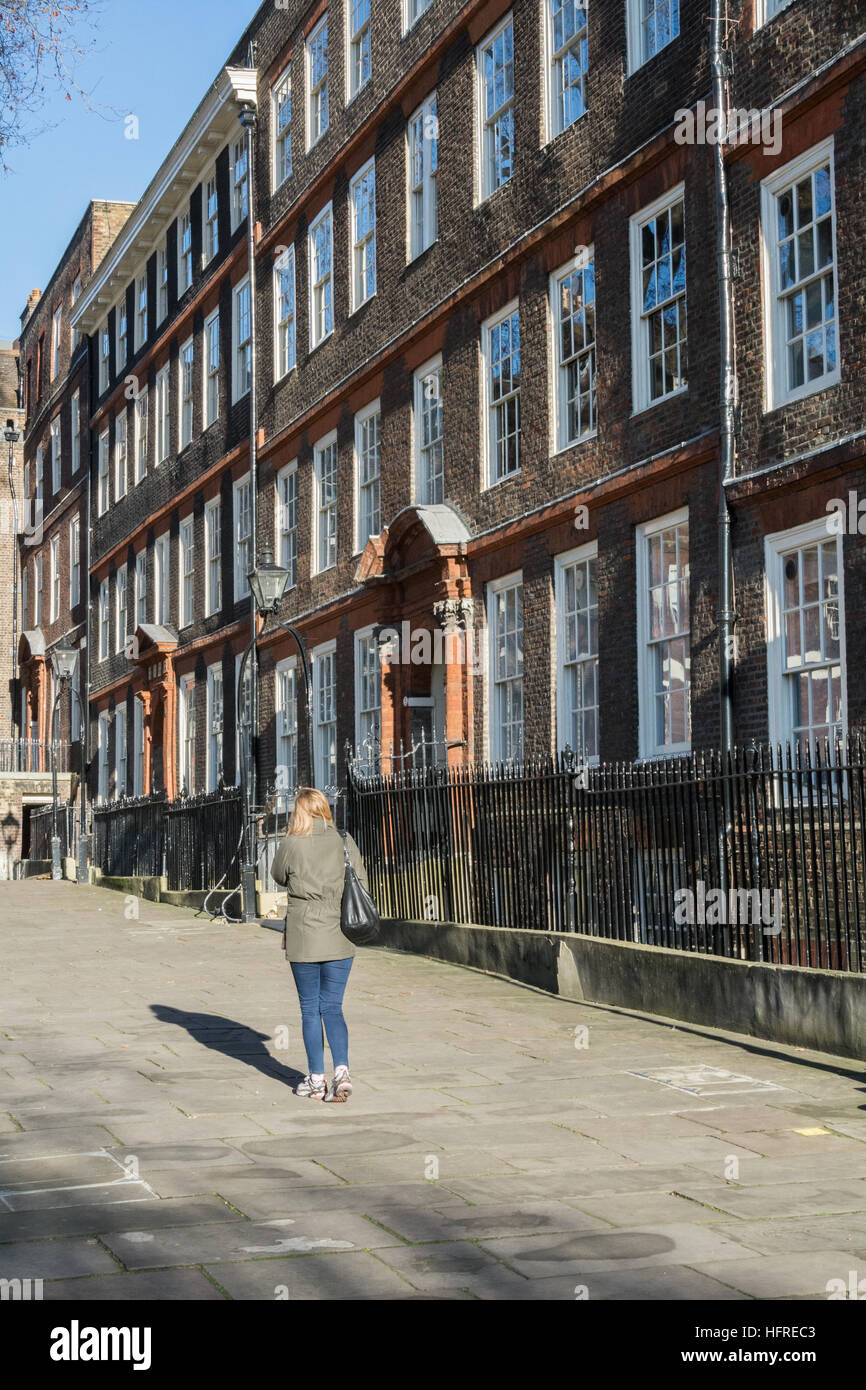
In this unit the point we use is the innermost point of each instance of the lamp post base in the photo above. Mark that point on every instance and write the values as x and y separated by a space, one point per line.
248 880
56 867
83 858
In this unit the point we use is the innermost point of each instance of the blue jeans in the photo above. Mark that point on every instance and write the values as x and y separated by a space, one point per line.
321 986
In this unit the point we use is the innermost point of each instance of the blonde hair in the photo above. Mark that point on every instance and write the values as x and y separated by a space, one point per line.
310 805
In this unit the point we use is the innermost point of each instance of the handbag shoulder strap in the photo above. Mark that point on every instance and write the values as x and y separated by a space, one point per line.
342 834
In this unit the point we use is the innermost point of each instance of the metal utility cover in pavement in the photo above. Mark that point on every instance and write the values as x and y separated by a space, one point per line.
706 1081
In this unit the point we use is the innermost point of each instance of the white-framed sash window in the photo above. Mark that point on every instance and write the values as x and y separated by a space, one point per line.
664 635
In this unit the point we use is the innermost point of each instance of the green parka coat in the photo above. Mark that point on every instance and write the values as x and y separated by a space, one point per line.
312 868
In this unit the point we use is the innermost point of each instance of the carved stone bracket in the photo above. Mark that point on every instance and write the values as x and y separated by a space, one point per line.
454 614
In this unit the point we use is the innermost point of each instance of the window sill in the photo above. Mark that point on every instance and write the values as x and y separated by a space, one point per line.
412 260
572 444
489 487
363 304
661 400
552 138
803 393
676 750
639 67
486 197
314 347
353 96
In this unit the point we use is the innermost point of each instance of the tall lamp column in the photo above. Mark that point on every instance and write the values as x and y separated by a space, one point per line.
63 659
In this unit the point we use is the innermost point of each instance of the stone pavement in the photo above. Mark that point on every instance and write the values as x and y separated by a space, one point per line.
500 1144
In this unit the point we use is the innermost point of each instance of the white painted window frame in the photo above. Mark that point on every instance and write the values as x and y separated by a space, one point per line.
324 652
186 570
213 556
281 530
423 192
241 583
421 494
640 330
485 187
215 725
326 280
326 442
211 408
241 368
121 608
317 129
493 731
186 392
363 247
163 414
776 393
648 748
776 545
374 408
487 403
285 361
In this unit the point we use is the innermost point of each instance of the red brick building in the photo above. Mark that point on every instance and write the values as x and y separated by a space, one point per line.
53 543
484 341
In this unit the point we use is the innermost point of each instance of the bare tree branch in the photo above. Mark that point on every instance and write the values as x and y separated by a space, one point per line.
42 45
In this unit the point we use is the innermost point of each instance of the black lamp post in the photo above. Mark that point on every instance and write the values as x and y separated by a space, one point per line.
63 659
267 585
12 436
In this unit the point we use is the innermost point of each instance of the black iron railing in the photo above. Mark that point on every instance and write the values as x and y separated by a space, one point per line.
42 830
760 855
129 837
202 838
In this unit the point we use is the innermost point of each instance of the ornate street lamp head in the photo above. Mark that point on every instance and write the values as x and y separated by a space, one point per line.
63 659
268 582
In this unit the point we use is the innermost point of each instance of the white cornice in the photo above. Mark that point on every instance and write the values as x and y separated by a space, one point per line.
213 122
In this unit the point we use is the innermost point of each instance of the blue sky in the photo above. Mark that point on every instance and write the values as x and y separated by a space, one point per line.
153 58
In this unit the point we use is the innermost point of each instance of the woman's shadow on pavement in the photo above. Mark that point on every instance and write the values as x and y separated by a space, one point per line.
233 1039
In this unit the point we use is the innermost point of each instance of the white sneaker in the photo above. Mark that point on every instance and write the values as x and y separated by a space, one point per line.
316 1090
341 1086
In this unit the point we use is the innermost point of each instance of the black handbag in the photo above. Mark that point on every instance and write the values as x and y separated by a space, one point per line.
359 919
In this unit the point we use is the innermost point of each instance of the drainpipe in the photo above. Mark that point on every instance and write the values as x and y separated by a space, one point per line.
721 67
248 121
84 682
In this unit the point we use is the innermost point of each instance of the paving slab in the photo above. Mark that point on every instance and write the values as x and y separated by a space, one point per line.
806 1275
350 1276
262 1201
453 1265
165 1285
650 1283
677 1243
791 1199
426 1224
55 1259
192 1181
242 1240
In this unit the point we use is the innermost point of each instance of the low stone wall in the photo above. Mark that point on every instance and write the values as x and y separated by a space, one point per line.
154 890
823 1010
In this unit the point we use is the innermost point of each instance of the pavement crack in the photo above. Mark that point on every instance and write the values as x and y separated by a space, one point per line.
387 1229
211 1280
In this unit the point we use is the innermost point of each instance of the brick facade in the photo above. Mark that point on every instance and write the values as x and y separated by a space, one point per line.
52 379
579 189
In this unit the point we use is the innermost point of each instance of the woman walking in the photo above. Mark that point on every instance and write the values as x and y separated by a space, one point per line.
311 864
